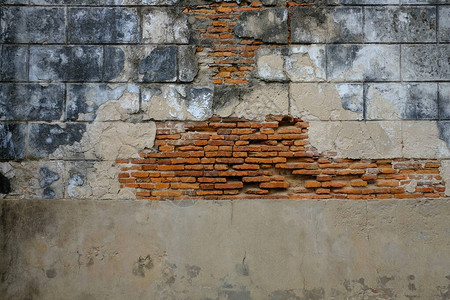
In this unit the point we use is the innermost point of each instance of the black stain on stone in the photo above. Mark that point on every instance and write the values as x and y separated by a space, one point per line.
160 65
44 139
48 177
142 264
50 273
5 185
284 295
341 58
224 95
114 62
314 294
48 193
12 141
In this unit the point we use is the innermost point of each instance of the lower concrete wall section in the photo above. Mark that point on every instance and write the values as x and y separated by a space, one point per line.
310 249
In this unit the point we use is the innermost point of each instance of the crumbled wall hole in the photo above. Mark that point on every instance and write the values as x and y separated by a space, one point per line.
234 158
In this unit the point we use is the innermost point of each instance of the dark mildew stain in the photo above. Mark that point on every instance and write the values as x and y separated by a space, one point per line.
46 138
5 185
114 62
142 264
50 273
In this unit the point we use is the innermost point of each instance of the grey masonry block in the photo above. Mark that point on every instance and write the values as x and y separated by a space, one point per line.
44 139
31 101
425 62
105 2
113 63
394 101
444 131
12 141
164 26
187 63
270 63
363 62
32 25
400 24
177 102
101 102
103 25
321 25
61 63
268 25
412 2
444 23
362 2
13 1
13 63
444 101
160 65
306 63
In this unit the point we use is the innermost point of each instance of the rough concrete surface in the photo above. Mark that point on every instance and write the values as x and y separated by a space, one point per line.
225 250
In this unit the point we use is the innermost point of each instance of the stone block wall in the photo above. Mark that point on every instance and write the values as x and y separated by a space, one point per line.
86 83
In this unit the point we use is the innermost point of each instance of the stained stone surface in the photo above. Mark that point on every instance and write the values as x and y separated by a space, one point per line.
12 137
272 30
103 25
31 101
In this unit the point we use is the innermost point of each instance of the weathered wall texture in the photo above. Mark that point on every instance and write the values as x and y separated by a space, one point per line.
225 100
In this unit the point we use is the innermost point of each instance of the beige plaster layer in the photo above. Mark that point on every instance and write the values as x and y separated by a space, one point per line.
355 139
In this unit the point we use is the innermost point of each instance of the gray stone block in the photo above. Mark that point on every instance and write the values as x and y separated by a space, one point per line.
13 1
187 63
12 141
425 62
444 131
444 101
61 63
101 102
177 102
160 65
363 62
31 101
400 24
320 25
44 139
114 62
13 63
309 25
103 25
362 2
424 1
270 63
268 25
306 63
346 25
164 26
444 23
394 101
32 25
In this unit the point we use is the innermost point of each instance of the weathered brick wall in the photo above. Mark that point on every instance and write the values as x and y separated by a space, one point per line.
240 159
87 83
